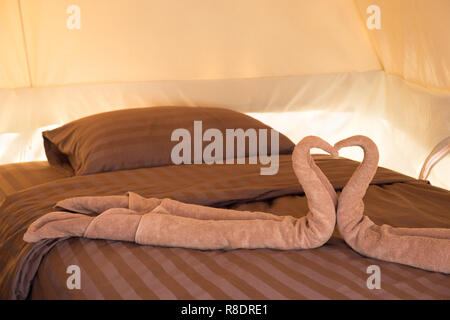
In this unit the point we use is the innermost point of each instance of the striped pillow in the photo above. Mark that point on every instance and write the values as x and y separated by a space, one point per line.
139 138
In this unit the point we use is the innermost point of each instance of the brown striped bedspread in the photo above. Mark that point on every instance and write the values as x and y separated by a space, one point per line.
18 176
122 270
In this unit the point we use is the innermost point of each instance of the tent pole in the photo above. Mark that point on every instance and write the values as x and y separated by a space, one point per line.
30 79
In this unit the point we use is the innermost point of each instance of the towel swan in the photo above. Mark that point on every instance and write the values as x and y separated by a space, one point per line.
169 222
425 248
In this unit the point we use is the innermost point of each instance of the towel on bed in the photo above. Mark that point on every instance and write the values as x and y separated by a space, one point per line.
425 248
166 222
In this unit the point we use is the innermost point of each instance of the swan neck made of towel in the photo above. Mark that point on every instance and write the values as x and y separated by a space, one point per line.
350 209
319 192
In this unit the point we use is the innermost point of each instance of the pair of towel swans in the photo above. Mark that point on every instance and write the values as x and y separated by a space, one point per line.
168 222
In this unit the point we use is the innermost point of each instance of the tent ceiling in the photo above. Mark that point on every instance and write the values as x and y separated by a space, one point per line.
145 40
414 40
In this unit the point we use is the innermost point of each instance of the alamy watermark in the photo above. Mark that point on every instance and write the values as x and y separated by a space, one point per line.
74 280
73 21
374 281
235 139
374 20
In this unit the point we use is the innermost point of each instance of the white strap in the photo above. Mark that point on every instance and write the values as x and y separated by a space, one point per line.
439 151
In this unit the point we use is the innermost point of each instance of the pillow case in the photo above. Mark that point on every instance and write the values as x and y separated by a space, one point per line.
140 138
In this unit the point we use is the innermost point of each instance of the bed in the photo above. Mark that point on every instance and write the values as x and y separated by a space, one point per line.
124 270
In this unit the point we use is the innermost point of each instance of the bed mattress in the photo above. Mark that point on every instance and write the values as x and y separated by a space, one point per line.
122 270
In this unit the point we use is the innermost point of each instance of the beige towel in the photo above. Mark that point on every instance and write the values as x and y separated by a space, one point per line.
167 222
425 248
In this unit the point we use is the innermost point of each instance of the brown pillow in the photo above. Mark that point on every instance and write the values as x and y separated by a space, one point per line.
140 138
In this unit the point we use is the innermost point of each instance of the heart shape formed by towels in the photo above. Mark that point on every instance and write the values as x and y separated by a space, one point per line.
425 248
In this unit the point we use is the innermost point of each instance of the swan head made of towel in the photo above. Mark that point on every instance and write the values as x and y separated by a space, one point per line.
425 248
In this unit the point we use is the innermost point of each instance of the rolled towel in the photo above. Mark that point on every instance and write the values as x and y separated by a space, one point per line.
425 248
167 222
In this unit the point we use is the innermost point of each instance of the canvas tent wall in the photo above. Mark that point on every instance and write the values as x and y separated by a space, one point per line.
305 67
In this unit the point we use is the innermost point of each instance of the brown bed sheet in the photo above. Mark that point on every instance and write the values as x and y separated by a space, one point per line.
121 270
19 176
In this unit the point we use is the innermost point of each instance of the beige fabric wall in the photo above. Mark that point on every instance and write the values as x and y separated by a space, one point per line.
418 120
13 61
332 106
143 40
413 41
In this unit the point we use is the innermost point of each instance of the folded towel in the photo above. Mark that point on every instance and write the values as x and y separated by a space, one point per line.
425 248
167 222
